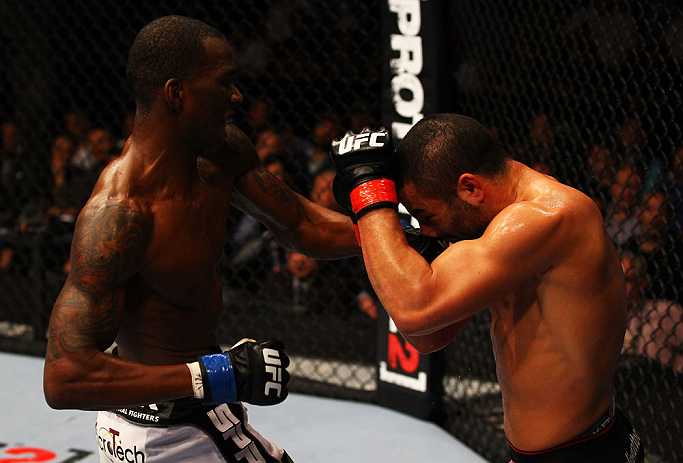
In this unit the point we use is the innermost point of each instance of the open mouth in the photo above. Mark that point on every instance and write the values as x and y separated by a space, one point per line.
228 120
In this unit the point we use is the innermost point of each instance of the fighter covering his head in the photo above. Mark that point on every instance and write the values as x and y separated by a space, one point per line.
531 249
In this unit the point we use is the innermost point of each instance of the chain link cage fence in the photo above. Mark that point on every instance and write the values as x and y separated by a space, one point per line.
587 91
66 111
590 93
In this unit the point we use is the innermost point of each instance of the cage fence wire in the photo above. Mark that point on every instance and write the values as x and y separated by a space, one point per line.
588 92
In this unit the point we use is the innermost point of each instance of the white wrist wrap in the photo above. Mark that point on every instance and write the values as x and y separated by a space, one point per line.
197 383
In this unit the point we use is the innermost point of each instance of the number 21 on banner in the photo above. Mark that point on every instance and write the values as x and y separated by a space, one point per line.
28 454
403 359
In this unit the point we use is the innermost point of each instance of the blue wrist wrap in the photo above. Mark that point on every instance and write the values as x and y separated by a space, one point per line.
221 378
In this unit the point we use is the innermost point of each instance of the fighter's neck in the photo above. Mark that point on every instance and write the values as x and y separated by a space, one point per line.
525 183
159 165
506 189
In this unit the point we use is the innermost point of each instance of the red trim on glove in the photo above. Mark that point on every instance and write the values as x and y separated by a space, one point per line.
374 191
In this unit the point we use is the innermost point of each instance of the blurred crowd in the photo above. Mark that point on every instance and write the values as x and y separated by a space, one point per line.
589 95
640 194
40 204
254 260
641 200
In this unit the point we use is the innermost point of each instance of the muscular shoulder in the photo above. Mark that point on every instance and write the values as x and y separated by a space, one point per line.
112 213
577 214
554 205
111 235
548 224
527 217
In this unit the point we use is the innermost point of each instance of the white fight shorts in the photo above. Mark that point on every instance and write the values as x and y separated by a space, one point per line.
183 430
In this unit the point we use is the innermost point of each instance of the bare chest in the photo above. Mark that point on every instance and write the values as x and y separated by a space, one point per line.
186 247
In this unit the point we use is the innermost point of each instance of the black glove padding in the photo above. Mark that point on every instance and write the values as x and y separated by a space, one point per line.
341 195
260 370
429 248
360 159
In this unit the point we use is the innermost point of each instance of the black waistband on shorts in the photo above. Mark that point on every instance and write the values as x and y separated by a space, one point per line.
599 425
164 414
616 442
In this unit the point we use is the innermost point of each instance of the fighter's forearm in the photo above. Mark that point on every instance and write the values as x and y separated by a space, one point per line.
324 234
102 382
296 222
399 275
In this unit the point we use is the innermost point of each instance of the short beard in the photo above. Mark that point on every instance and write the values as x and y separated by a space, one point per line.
467 219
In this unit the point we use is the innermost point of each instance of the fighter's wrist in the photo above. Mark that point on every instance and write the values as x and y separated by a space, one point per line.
373 194
218 378
197 380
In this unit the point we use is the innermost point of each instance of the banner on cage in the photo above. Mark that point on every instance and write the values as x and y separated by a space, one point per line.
407 381
412 69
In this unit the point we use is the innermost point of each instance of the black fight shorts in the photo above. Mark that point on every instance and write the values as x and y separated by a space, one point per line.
617 443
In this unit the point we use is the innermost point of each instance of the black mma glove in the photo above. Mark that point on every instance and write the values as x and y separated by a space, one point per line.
364 171
429 248
341 195
253 372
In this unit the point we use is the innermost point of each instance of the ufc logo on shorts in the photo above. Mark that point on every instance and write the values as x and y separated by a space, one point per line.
273 368
356 141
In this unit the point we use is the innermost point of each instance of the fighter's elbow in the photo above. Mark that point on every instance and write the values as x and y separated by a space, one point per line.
58 389
423 346
56 396
300 243
411 323
288 239
418 319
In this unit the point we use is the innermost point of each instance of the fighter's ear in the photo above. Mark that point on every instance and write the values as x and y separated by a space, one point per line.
470 189
174 94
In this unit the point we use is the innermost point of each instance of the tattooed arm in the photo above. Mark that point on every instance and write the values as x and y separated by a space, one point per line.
107 249
296 222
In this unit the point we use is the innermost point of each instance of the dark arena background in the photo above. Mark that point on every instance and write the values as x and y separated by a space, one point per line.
588 91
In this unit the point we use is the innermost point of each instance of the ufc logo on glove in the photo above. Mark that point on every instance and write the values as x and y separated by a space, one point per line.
271 357
248 372
355 142
364 171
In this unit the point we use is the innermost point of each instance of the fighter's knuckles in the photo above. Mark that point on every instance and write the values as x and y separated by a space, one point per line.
242 341
285 359
274 344
362 142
